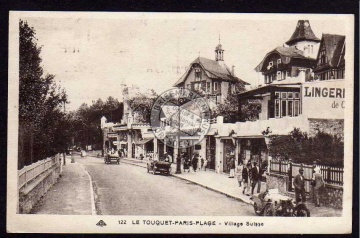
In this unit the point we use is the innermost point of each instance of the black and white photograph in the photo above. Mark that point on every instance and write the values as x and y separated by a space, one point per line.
180 122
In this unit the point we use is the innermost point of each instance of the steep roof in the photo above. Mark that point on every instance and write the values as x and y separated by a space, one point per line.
302 31
213 70
333 46
286 54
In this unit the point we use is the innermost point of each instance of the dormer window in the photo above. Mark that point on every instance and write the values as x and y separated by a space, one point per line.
197 74
270 65
278 62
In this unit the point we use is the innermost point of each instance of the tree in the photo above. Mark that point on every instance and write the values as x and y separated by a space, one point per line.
86 120
250 109
324 148
40 102
141 105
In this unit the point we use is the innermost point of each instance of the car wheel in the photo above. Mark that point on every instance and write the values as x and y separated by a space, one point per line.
301 211
268 211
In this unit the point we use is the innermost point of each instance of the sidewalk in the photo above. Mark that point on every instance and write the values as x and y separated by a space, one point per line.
229 186
71 195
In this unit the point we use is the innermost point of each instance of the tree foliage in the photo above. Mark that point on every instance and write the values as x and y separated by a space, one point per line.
250 109
40 103
141 105
86 120
323 148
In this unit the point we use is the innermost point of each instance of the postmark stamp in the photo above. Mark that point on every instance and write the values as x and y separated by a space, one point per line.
180 118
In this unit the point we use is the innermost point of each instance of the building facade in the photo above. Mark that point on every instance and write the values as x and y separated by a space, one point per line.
301 90
303 87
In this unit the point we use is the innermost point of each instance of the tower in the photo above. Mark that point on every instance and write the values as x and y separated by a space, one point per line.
219 52
304 39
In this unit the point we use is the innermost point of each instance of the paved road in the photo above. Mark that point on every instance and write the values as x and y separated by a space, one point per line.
129 190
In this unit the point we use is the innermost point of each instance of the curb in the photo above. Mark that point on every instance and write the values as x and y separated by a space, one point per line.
93 210
204 186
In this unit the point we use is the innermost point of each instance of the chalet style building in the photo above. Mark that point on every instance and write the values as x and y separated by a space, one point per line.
295 93
212 78
330 63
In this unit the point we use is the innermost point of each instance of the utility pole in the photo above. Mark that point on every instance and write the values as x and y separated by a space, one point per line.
177 147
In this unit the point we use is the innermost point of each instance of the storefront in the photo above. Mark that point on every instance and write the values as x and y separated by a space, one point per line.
229 153
252 150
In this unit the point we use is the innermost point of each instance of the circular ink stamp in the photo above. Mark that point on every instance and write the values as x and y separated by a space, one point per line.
180 118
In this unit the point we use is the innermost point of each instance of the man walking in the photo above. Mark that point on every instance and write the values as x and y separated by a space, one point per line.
195 161
245 177
299 184
232 167
256 178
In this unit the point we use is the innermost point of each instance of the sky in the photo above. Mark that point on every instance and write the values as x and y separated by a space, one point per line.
91 54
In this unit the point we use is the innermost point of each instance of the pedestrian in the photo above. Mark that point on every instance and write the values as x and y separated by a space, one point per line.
202 162
318 183
232 167
299 184
206 163
239 171
186 163
256 178
195 161
245 177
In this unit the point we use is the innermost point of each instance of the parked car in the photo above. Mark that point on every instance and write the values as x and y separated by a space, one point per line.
272 203
159 166
109 158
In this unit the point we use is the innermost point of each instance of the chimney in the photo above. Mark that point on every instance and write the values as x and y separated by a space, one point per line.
233 70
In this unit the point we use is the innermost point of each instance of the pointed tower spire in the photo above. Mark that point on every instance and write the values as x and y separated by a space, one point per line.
219 52
303 32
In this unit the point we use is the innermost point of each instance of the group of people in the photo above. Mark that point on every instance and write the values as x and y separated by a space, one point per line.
194 162
317 182
247 175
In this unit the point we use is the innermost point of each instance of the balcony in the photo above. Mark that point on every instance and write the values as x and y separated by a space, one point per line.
277 126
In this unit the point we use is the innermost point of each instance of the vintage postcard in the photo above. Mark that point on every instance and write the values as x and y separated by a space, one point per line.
180 123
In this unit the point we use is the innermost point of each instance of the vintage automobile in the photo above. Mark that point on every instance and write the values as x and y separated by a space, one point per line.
159 166
272 203
109 157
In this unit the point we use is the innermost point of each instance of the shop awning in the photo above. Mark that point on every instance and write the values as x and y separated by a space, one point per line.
256 93
144 141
